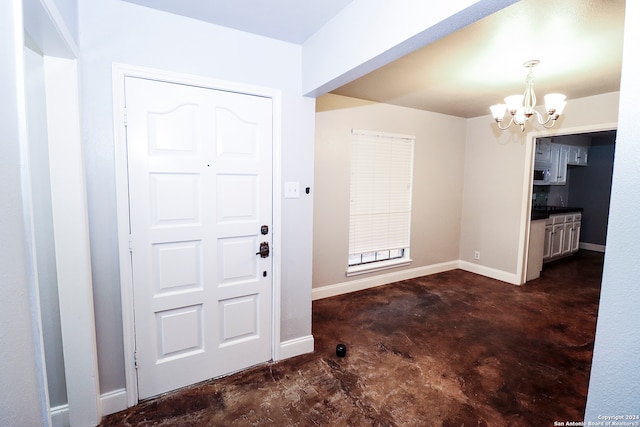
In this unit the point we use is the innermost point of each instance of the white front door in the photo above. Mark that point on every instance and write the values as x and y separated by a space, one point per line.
200 190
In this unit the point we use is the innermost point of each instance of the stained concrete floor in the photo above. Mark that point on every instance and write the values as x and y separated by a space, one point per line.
450 349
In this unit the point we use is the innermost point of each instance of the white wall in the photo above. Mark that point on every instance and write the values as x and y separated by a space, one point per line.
496 182
68 10
23 394
371 33
614 387
437 184
116 31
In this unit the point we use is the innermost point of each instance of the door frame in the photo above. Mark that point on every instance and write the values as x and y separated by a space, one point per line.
525 219
119 73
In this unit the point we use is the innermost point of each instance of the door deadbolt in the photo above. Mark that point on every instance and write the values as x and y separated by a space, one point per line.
264 250
264 229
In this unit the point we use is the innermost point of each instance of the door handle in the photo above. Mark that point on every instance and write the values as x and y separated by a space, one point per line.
264 250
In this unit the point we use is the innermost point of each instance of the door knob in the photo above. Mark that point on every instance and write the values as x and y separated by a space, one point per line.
264 250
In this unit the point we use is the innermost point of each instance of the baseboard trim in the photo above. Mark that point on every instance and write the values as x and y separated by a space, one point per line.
60 416
492 273
396 276
114 401
296 347
111 402
592 247
379 280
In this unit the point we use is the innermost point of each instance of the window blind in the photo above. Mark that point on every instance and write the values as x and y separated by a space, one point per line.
381 180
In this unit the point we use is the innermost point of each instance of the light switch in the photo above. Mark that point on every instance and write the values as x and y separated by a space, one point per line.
291 190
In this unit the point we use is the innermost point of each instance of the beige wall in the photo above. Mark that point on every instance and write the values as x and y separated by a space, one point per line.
437 183
471 187
497 183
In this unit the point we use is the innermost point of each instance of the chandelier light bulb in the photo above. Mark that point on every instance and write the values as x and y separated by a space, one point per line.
498 111
554 103
513 102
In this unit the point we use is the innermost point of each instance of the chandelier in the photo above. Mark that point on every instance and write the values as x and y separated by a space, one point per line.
522 107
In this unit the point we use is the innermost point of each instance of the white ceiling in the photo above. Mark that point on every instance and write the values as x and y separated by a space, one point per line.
578 43
287 20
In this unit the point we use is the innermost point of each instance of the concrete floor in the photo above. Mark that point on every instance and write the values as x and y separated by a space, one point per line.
450 349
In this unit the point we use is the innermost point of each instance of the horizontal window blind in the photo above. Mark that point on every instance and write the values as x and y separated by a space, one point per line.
381 180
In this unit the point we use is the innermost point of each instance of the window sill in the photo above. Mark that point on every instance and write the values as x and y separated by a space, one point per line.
377 266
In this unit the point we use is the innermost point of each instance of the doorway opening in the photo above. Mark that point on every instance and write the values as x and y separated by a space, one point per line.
580 183
556 182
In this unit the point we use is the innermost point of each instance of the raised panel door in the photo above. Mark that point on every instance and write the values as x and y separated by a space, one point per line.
200 182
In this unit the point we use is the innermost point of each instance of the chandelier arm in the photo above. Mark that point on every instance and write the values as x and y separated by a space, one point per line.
550 118
540 120
507 126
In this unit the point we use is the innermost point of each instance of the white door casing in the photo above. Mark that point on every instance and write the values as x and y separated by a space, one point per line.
200 190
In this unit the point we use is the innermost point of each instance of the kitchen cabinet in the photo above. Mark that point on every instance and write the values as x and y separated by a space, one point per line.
559 158
543 151
548 237
562 235
572 234
557 240
578 155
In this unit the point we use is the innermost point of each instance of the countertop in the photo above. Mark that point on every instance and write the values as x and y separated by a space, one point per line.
543 212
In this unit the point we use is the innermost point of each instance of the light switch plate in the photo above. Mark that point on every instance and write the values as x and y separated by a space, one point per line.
291 190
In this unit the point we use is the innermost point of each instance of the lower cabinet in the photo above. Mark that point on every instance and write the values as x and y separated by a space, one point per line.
562 235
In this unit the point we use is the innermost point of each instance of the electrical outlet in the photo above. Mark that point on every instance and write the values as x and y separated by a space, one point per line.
476 255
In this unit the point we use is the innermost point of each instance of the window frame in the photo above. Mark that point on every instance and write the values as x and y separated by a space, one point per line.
389 260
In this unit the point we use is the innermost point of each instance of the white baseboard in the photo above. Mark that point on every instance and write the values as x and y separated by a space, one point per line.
114 401
592 247
379 280
296 347
60 416
111 402
396 276
489 272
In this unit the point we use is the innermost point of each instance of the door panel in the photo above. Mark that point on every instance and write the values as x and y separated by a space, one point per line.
200 182
236 260
175 199
238 319
180 331
237 195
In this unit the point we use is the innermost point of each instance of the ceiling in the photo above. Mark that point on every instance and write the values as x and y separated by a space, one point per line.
287 20
578 43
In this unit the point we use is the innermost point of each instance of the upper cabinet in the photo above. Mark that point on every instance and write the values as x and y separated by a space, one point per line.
558 156
578 155
558 171
543 151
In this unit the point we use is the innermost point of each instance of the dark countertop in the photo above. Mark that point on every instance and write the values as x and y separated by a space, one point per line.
543 212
